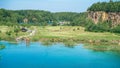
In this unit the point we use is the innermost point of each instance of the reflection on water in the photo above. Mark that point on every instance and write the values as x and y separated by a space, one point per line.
47 43
55 55
70 46
0 57
27 44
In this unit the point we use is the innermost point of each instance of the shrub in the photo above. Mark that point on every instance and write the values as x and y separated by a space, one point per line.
116 29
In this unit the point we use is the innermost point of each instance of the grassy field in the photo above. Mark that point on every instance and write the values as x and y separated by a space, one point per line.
68 35
74 33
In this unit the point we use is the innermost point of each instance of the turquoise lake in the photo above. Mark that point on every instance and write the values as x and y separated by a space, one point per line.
37 55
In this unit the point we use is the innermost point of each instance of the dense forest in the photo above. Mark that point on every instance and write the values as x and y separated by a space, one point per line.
43 18
40 17
106 6
8 17
36 17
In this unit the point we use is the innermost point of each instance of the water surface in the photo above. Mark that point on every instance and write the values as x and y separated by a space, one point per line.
37 55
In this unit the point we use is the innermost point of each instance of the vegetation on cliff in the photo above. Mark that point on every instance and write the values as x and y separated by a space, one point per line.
105 6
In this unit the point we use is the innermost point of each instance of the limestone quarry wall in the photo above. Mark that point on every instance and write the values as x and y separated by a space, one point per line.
99 16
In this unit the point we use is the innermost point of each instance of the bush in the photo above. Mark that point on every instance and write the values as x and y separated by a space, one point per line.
116 29
100 27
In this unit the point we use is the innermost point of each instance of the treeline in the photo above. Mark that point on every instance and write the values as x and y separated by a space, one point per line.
106 6
38 17
43 18
35 17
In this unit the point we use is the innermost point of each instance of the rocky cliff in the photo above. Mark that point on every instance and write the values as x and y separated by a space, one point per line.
100 16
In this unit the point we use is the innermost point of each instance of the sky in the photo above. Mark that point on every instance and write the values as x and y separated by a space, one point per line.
49 5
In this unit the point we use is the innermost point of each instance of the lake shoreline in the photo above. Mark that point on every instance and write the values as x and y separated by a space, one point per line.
69 35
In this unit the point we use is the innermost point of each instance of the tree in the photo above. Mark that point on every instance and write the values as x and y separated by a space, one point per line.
111 0
116 29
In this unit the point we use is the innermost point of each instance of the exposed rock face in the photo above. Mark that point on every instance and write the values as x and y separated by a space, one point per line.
98 16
